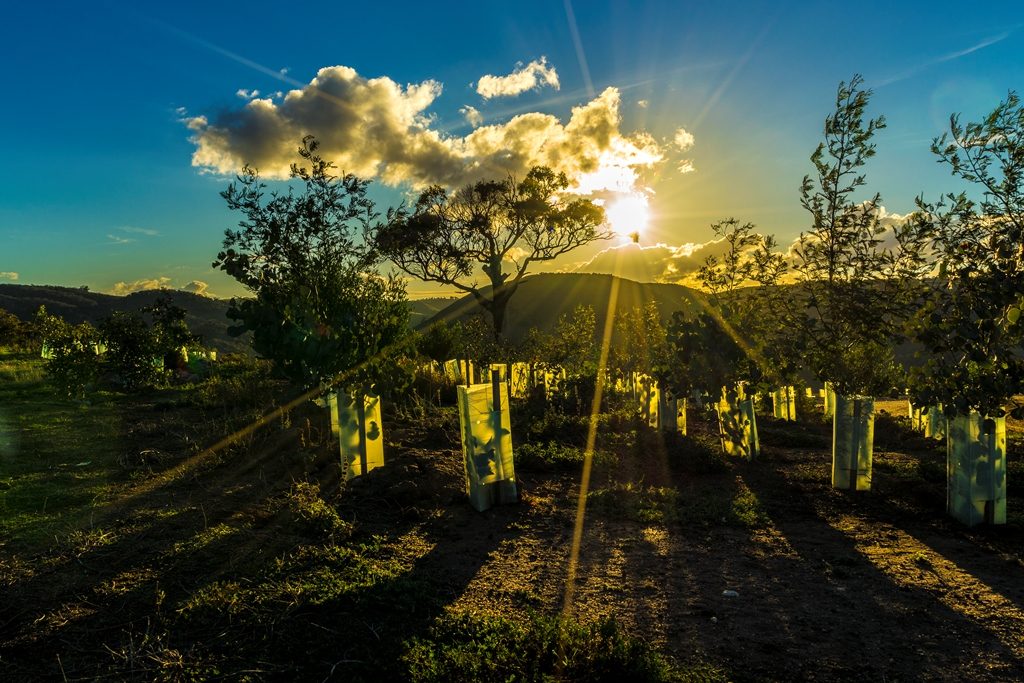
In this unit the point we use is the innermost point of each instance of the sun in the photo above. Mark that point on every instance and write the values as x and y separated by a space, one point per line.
628 214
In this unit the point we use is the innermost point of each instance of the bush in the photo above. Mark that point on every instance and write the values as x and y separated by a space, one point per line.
73 366
133 353
468 647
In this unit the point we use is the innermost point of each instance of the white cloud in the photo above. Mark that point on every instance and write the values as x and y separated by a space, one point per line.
655 263
376 128
247 94
686 166
534 75
642 104
683 139
473 115
117 239
123 288
9 275
149 232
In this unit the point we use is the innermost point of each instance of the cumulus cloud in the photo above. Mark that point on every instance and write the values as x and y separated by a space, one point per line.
642 104
9 275
683 139
534 75
473 115
376 128
123 288
686 166
197 287
247 94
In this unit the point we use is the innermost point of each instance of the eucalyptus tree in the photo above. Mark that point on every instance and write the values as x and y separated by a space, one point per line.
497 227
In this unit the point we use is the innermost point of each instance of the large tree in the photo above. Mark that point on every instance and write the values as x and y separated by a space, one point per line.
319 307
499 227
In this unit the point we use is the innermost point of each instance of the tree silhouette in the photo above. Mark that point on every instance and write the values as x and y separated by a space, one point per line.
448 237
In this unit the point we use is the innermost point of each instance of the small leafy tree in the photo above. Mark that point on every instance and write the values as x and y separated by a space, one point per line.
133 352
971 326
72 367
486 225
853 291
169 329
319 307
641 344
735 337
14 333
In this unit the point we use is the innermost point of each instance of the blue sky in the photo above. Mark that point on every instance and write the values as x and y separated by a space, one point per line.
100 187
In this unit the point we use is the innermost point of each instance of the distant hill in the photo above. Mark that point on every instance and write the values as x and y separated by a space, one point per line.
205 316
422 310
541 299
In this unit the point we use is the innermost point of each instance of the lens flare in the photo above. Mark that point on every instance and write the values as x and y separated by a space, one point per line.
628 215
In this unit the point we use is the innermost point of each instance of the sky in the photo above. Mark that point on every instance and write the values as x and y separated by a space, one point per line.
122 122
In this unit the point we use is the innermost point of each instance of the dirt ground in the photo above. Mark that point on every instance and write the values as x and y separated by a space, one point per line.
825 585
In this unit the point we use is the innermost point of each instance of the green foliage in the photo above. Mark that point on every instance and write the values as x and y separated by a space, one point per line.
853 290
320 309
169 329
759 346
133 352
467 647
14 333
449 236
73 366
439 341
971 324
705 354
553 455
641 341
313 515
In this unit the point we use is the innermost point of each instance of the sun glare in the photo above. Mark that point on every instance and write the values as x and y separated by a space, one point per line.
628 215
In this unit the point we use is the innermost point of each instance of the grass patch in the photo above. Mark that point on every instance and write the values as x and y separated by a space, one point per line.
636 502
462 647
552 456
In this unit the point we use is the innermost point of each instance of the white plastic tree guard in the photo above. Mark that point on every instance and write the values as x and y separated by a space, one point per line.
451 371
672 414
520 386
976 470
650 401
737 427
553 381
830 400
936 425
356 420
808 392
853 436
487 444
784 403
917 417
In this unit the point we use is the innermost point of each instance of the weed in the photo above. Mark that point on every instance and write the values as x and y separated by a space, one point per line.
313 515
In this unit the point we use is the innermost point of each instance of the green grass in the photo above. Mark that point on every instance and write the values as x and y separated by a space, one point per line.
467 647
58 457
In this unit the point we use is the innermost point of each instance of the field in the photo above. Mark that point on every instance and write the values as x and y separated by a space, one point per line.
129 549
